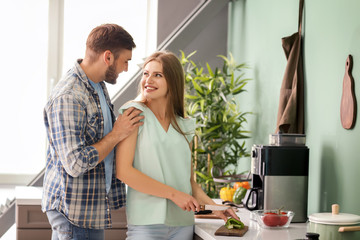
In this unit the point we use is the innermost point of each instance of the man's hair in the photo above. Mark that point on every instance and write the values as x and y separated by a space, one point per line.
108 37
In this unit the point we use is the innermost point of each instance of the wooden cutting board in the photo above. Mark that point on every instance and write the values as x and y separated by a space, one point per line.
348 100
209 215
223 231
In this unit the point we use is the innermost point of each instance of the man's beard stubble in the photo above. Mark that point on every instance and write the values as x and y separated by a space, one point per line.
111 75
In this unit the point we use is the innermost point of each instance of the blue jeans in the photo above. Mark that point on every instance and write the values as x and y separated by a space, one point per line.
62 229
159 232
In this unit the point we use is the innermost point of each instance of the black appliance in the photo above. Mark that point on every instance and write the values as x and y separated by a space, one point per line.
279 179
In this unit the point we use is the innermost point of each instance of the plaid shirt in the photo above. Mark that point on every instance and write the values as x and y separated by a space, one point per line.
74 182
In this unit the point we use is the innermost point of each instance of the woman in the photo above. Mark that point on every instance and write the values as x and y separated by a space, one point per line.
155 161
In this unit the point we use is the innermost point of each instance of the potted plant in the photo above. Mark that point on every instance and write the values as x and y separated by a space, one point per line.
220 134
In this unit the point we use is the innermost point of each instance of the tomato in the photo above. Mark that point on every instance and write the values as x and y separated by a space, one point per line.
237 185
271 219
242 184
283 220
246 185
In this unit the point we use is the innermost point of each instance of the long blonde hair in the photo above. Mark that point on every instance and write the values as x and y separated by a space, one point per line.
175 79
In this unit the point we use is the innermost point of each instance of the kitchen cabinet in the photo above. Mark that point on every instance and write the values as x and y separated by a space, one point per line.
32 223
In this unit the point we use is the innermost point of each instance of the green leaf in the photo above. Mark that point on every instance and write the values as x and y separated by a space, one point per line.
239 77
193 108
239 89
200 150
212 129
211 85
224 118
223 96
239 81
197 87
233 118
243 65
199 71
222 80
232 106
202 104
203 176
190 55
226 60
209 70
191 96
232 81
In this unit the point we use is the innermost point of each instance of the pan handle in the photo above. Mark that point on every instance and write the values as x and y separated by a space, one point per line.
349 229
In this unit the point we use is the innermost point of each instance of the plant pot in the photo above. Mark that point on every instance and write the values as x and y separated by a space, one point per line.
335 225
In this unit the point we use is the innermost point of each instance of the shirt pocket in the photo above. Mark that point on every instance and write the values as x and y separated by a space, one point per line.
93 129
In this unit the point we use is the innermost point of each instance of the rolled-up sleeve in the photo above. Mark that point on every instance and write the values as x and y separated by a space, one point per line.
67 121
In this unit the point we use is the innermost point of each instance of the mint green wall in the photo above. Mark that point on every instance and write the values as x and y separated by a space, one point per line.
331 31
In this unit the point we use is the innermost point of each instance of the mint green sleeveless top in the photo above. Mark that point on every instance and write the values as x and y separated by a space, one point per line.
165 157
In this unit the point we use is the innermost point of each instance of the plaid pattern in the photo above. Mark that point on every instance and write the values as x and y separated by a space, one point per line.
74 184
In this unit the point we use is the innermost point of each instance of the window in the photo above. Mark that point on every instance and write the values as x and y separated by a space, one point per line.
24 65
81 16
23 47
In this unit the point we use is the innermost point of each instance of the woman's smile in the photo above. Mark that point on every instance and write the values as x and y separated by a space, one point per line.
154 84
150 88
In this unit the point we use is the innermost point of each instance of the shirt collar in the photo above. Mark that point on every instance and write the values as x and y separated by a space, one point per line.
83 77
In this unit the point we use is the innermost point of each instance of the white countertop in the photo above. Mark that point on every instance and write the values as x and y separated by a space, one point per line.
205 228
26 195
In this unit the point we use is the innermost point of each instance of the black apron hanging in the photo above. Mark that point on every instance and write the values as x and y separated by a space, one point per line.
290 118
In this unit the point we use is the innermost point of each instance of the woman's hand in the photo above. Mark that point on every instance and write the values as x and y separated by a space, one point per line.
226 213
185 201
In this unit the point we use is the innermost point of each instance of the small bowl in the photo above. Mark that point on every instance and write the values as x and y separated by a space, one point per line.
272 219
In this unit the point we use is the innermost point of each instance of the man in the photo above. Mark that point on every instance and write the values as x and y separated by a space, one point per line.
80 184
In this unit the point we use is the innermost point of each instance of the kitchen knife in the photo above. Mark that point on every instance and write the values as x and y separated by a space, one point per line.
214 207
